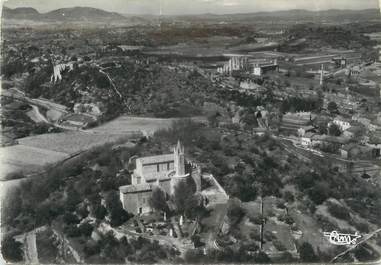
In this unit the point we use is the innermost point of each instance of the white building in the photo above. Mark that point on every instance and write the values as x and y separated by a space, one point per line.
343 124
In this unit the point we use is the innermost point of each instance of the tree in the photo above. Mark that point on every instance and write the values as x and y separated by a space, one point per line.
235 211
332 107
193 256
319 192
72 231
289 197
307 253
73 198
99 211
334 130
117 214
339 211
322 127
213 119
86 229
70 218
91 248
261 257
183 196
11 250
158 200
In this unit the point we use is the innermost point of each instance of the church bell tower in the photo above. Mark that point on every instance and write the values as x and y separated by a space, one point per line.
179 159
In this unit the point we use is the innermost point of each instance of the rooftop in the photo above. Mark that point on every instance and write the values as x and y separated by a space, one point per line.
135 188
156 159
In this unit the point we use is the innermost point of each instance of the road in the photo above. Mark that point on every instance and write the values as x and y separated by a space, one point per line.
38 116
213 225
30 248
299 151
17 94
176 243
218 204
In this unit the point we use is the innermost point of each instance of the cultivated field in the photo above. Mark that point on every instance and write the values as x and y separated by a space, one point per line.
26 158
34 152
69 142
125 124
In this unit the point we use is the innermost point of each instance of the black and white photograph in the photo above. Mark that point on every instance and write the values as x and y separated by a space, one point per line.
190 132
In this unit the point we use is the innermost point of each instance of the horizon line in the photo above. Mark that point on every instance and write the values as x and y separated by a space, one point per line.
206 13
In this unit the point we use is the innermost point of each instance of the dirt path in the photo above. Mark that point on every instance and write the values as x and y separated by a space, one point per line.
31 254
213 224
37 116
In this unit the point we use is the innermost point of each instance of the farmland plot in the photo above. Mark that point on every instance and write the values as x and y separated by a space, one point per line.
33 152
26 158
125 124
69 142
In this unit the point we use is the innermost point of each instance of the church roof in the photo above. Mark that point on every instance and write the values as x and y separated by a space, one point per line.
135 188
156 159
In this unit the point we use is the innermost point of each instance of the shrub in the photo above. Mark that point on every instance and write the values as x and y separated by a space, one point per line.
289 220
11 250
256 220
289 197
261 257
339 211
307 253
319 193
279 246
86 229
70 218
91 248
72 231
235 211
362 227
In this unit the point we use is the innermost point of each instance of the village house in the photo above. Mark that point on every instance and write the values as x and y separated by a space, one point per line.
249 86
371 126
90 109
375 144
162 171
323 141
260 69
292 122
344 124
306 139
340 62
305 129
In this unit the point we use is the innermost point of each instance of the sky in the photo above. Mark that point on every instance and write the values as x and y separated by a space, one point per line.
174 7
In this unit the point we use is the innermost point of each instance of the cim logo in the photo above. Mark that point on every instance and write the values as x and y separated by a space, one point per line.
342 239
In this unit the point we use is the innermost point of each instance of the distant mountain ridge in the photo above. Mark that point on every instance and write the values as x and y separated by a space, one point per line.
62 14
94 14
298 14
20 13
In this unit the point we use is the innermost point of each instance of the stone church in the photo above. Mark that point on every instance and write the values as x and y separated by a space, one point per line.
161 171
